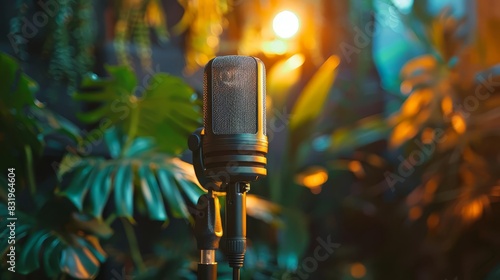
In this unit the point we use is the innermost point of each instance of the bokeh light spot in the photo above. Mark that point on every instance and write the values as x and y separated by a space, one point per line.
285 24
358 270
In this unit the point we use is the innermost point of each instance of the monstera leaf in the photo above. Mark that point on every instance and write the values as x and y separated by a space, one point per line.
165 108
151 179
73 252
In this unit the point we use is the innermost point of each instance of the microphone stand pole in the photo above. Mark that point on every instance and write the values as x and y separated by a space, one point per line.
208 225
236 225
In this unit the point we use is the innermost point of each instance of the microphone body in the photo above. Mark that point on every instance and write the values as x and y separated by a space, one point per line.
235 142
234 145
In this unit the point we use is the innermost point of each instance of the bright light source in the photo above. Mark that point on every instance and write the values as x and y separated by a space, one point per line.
285 24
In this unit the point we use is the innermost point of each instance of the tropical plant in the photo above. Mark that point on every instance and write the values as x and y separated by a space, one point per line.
452 107
140 174
87 182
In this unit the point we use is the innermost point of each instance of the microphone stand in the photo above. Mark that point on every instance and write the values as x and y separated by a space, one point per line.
208 231
208 226
236 223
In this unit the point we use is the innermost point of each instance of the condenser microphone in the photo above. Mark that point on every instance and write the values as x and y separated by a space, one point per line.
234 145
235 142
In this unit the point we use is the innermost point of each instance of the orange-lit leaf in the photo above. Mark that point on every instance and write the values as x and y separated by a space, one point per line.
458 123
284 75
416 101
402 133
312 98
264 210
424 63
447 106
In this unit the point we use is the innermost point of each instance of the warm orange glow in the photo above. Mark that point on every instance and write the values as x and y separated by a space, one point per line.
415 213
286 24
358 270
282 76
433 221
356 168
430 188
414 103
458 123
212 41
427 135
375 160
313 177
295 61
473 210
201 59
315 180
495 191
402 132
154 14
447 106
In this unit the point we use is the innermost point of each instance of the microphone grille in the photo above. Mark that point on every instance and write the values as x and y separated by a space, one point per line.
234 89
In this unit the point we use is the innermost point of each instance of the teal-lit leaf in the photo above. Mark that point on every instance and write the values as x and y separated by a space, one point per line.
92 244
51 255
38 247
82 259
152 195
100 190
172 194
124 191
192 191
79 262
140 145
50 122
30 252
77 188
185 177
113 139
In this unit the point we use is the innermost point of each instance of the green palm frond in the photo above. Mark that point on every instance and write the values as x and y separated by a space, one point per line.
144 180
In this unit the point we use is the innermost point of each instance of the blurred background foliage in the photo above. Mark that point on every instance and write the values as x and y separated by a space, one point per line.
383 126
